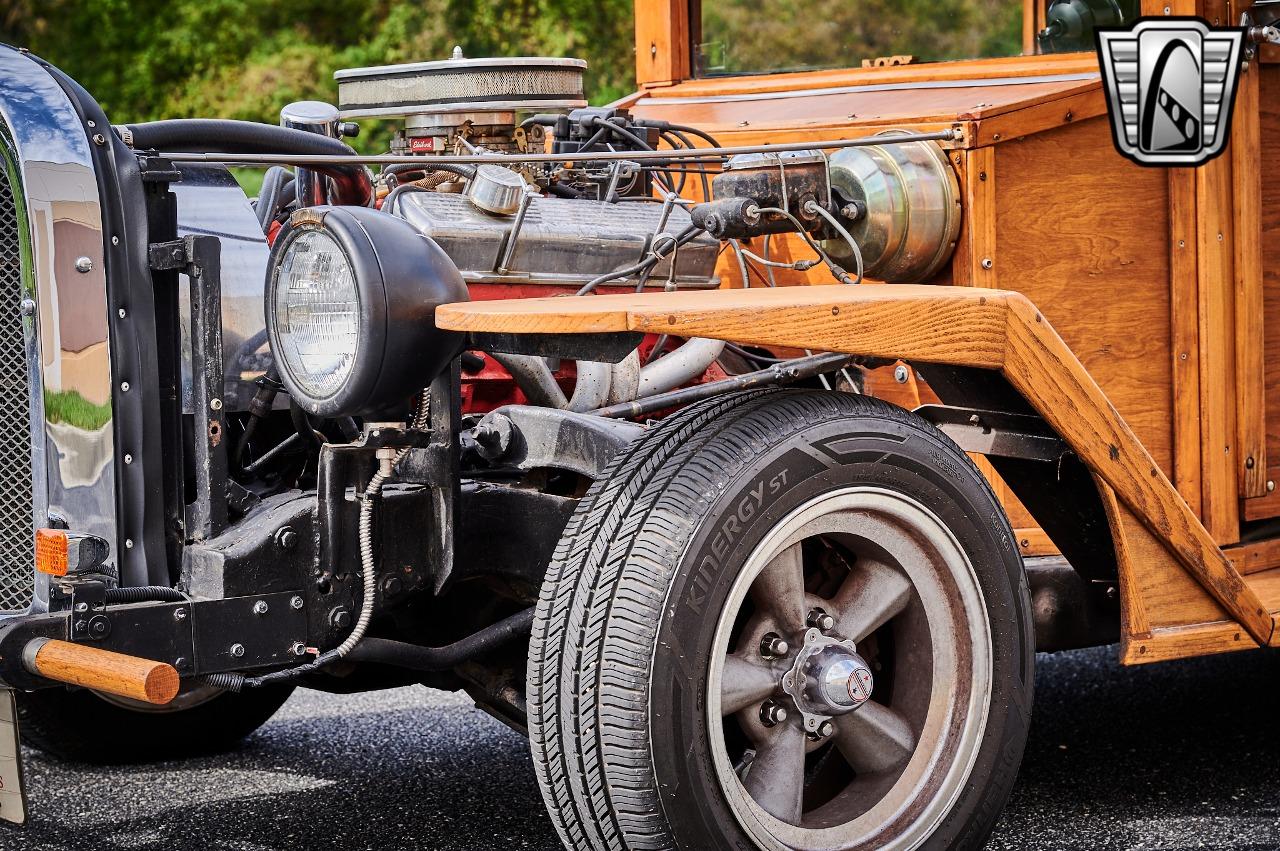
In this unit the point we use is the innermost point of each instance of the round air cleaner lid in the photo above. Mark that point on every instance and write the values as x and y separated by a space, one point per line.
502 84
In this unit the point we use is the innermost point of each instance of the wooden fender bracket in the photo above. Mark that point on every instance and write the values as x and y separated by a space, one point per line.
101 670
961 326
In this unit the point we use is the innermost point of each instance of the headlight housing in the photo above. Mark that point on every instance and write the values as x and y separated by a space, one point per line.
350 303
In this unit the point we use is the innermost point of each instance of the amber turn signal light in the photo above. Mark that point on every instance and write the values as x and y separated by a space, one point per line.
51 551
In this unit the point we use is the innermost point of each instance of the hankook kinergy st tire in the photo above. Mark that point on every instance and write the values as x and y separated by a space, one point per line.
84 726
783 620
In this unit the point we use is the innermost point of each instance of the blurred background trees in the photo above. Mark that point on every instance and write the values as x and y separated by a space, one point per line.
150 59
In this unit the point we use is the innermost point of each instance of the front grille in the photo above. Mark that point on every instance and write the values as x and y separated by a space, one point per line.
17 556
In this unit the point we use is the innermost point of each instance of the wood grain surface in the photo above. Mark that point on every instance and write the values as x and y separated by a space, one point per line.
101 670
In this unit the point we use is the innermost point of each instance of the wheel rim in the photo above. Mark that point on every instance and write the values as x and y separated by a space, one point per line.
902 592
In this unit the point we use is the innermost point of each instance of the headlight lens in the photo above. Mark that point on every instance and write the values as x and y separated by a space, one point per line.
317 313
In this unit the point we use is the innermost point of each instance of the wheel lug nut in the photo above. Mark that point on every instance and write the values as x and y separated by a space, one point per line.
773 646
820 620
772 713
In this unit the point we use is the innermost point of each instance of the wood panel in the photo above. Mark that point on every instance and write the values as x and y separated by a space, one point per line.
993 329
663 47
1250 369
1269 157
1081 231
1184 276
1215 259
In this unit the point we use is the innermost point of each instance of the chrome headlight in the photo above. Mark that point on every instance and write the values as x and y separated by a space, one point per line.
351 298
316 314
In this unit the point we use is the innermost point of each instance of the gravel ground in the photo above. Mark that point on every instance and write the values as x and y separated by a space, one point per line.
1176 756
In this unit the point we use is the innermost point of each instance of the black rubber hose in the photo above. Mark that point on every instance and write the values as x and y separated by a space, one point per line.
354 183
401 654
144 594
269 196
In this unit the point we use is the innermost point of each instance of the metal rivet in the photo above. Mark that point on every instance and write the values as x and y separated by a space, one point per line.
1270 486
260 607
901 374
296 602
128 543
128 459
84 265
92 123
124 387
299 649
179 614
987 263
115 240
99 139
27 307
216 404
237 650
122 313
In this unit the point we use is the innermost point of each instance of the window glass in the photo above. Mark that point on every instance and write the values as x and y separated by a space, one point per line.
765 36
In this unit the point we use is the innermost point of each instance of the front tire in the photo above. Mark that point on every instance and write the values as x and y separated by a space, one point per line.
725 600
83 726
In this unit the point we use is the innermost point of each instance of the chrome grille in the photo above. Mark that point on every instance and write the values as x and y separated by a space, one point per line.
17 556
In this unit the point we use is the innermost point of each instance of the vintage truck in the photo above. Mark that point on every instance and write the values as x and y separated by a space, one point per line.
741 441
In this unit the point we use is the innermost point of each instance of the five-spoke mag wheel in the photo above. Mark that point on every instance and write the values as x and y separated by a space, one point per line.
783 620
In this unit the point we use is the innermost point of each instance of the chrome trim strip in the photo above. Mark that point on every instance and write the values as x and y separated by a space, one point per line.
72 447
882 87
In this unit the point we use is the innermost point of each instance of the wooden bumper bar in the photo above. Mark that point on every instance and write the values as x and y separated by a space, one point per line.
101 670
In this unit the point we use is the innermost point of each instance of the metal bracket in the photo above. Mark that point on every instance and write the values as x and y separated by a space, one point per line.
997 433
528 438
200 258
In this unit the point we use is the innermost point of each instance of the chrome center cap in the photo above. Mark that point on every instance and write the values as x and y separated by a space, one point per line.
828 678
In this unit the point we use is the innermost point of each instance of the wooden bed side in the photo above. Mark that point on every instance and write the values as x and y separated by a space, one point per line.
990 329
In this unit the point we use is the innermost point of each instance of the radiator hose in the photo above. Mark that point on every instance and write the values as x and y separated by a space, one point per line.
353 184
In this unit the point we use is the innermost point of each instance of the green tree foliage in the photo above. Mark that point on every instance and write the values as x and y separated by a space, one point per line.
151 59
772 35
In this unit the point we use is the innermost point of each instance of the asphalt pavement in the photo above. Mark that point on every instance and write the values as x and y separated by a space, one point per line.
1176 756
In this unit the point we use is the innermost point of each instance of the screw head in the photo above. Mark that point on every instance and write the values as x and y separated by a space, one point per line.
820 620
215 404
179 614
260 607
99 139
128 459
298 648
82 607
128 543
237 650
27 307
773 646
901 373
296 602
825 729
987 263
772 713
122 313
84 265
124 387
